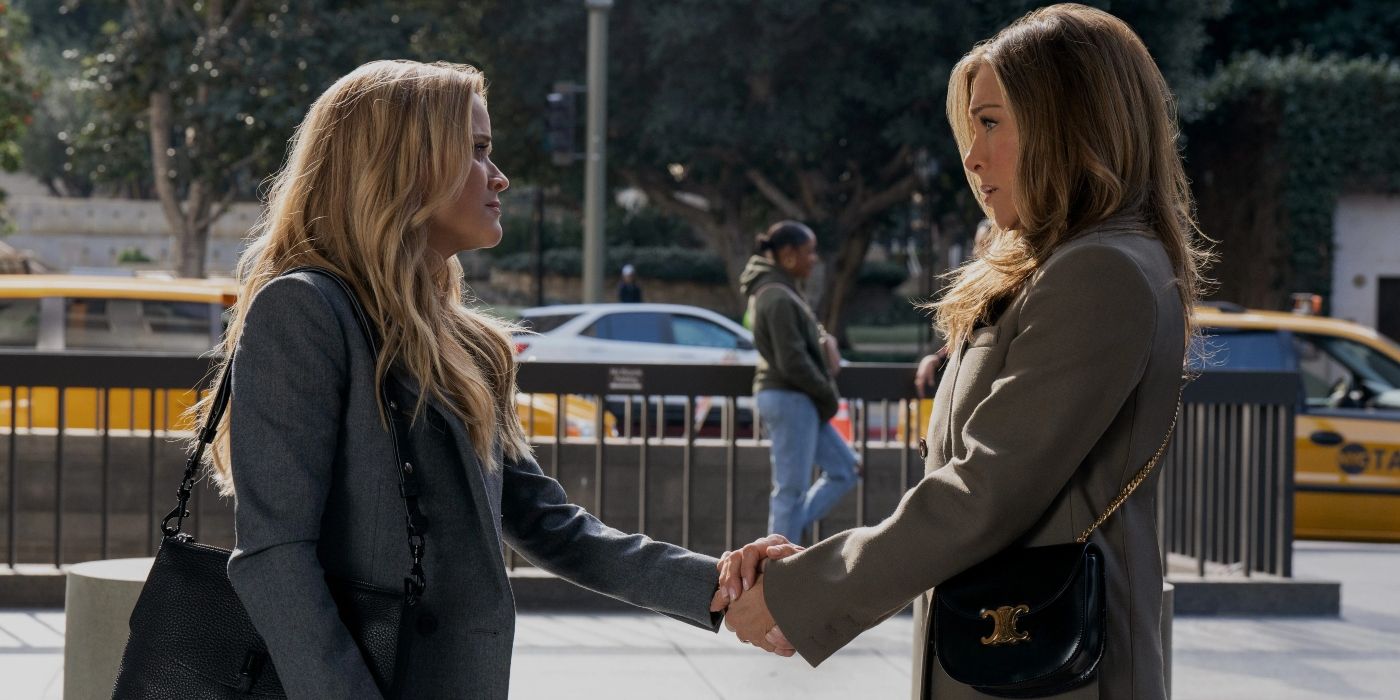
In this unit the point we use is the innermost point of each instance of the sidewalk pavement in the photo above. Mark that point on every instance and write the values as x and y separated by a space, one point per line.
625 656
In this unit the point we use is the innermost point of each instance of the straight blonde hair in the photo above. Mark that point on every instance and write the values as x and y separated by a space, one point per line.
377 155
1099 138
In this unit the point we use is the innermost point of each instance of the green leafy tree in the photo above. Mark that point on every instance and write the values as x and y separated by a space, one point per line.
1290 84
1264 155
64 109
1353 28
732 114
16 93
215 88
61 33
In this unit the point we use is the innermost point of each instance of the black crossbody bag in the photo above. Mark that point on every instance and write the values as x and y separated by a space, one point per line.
1030 622
190 635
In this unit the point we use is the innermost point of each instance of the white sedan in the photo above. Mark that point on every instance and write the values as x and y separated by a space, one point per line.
640 334
633 333
645 333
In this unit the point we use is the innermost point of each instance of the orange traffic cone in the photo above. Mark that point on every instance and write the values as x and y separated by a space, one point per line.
842 420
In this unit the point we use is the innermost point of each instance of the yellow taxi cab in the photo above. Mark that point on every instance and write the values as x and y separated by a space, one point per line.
58 313
1347 449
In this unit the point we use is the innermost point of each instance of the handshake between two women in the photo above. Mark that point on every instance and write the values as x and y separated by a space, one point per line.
741 597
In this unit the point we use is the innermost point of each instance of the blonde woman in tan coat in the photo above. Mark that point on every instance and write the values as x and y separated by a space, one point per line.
1068 340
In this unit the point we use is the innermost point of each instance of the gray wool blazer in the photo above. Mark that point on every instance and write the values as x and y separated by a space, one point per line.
1039 421
317 494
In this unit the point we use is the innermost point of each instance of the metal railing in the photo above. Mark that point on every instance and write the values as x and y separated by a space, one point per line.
91 462
715 483
688 463
1227 487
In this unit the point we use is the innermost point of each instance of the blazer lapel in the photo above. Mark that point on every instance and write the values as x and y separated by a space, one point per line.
943 402
941 443
484 504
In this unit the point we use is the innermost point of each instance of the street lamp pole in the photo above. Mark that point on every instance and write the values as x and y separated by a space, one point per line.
594 173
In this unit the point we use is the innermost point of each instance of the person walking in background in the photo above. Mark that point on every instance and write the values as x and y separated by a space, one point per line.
628 291
794 384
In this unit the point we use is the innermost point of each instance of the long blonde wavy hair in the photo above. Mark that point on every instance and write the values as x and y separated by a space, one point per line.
379 153
1099 138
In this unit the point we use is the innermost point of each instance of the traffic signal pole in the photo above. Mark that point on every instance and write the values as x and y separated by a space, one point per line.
595 164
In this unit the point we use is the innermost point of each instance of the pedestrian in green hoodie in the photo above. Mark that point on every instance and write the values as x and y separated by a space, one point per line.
794 384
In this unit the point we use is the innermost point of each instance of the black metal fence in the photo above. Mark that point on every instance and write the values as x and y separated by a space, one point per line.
671 450
91 462
704 483
1227 485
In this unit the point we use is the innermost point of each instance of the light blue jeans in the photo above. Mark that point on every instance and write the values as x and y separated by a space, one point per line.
799 441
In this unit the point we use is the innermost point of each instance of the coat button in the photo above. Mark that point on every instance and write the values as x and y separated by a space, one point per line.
923 448
408 467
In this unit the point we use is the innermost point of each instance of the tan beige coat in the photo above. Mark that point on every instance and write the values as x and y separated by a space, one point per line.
1039 421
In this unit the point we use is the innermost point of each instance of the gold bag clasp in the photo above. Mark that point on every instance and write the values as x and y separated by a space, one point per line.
1004 625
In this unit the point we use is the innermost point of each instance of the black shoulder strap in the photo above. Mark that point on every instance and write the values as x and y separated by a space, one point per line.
416 581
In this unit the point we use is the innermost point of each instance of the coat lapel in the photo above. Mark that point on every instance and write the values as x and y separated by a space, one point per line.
940 431
485 487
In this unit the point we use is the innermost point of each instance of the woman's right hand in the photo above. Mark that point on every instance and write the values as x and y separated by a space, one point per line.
740 568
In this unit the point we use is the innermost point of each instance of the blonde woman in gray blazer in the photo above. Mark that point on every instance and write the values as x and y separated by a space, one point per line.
389 176
1068 339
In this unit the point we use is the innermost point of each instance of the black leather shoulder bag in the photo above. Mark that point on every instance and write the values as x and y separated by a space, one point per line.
190 636
1030 622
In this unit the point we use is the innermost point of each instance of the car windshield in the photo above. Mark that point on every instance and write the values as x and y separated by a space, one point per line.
137 324
1340 373
19 323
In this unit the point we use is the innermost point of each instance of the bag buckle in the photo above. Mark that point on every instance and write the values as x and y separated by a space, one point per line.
1004 630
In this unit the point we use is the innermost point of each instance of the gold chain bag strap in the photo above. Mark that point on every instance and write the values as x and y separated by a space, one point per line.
1030 621
1139 478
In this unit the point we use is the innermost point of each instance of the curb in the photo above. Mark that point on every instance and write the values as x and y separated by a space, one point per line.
37 586
44 587
536 590
1261 596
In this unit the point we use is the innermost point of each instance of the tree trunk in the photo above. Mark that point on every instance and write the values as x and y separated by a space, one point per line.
191 248
853 228
719 225
843 280
189 219
736 247
724 222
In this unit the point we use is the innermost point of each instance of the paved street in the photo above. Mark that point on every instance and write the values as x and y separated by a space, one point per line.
619 657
